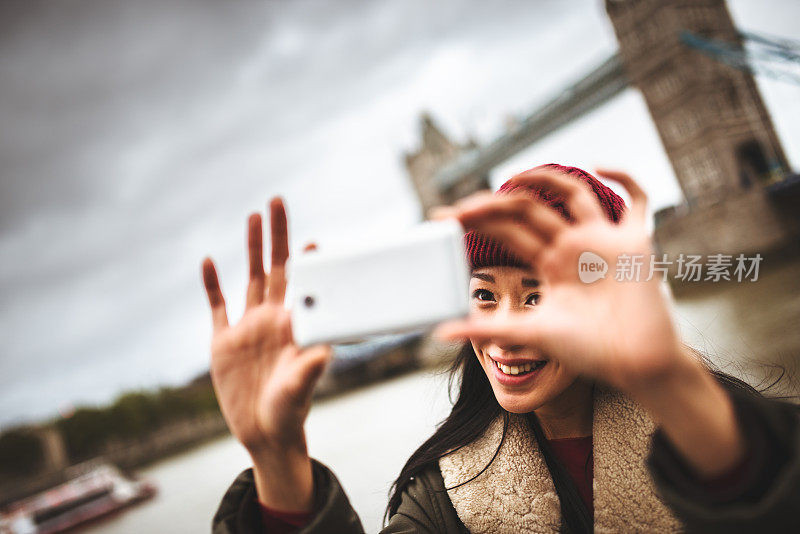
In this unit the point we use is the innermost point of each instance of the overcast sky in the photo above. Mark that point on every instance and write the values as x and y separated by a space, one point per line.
136 137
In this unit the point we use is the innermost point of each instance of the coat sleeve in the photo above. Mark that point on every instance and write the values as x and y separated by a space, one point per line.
766 497
424 508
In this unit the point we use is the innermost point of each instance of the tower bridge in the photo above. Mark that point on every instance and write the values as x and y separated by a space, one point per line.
689 62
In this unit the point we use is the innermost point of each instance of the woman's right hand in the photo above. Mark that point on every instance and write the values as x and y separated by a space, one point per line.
262 379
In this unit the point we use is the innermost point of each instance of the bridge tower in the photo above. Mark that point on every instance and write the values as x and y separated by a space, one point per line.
710 116
438 150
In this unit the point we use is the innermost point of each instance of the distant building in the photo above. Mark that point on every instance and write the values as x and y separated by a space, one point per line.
710 116
435 152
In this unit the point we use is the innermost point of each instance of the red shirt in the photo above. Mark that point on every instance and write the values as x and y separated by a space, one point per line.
280 522
576 455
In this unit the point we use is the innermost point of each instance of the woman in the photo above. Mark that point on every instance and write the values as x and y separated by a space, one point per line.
579 407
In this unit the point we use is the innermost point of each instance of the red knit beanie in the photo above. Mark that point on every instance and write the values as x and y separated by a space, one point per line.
484 251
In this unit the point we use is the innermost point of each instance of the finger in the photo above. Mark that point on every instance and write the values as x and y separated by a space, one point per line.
280 251
266 287
537 217
638 208
581 203
477 197
509 330
283 327
219 317
438 213
311 363
255 247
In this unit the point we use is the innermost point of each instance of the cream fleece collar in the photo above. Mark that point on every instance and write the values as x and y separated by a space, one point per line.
516 493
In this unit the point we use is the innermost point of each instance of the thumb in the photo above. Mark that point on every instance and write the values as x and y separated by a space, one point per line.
311 362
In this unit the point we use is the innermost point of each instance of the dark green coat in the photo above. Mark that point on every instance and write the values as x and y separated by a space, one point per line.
767 499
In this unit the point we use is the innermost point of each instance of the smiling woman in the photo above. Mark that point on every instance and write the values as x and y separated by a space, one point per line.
578 407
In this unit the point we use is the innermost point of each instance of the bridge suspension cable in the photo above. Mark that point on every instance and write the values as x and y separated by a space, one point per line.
775 57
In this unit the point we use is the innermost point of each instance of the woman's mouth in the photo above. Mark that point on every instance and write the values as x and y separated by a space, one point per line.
516 372
520 369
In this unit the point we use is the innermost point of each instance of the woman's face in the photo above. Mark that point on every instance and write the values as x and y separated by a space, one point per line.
523 378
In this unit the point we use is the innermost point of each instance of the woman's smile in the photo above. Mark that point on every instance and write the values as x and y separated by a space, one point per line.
514 371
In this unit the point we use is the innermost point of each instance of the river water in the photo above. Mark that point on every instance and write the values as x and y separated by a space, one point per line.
367 435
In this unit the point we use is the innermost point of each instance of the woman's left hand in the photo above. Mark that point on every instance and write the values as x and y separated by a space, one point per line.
616 330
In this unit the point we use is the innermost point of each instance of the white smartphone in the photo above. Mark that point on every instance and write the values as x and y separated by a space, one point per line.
404 282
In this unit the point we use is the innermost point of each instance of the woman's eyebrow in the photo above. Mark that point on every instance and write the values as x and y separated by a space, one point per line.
485 277
530 282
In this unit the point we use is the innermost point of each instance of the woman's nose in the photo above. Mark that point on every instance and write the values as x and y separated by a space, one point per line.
507 308
510 348
506 349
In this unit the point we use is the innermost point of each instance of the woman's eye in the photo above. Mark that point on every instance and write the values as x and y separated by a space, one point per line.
534 299
482 294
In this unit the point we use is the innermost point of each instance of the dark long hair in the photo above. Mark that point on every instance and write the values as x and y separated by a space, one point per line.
474 409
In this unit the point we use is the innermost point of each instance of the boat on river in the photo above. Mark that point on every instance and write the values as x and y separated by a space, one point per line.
92 492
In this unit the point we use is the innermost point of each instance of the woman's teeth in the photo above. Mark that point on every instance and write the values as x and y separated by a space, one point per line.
518 369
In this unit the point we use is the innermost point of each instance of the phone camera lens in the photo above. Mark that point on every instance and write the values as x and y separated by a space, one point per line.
308 301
